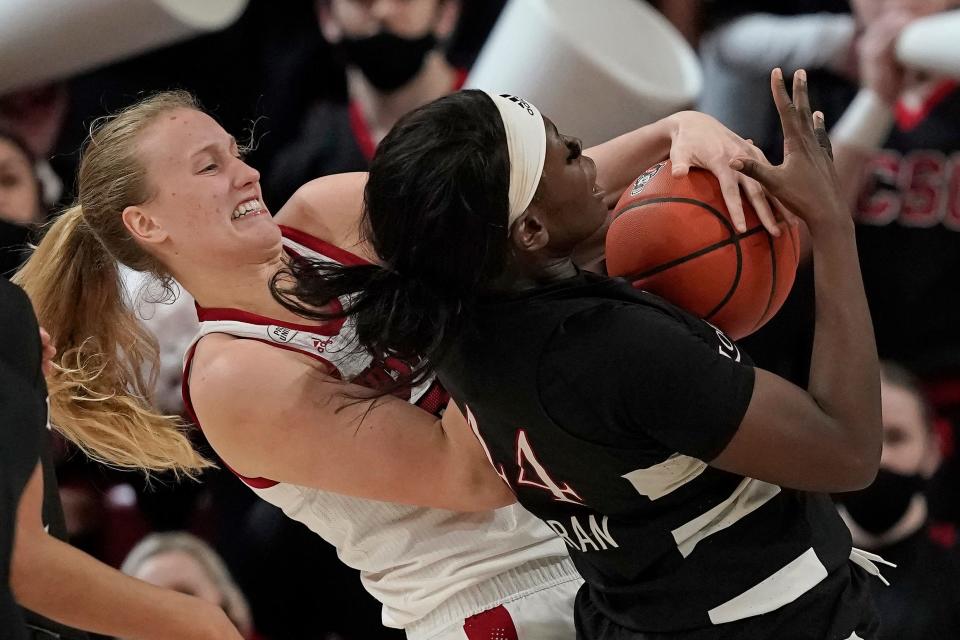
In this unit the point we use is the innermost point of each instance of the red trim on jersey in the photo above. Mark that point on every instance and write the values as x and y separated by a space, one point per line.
313 243
492 623
361 128
331 328
908 118
256 483
323 247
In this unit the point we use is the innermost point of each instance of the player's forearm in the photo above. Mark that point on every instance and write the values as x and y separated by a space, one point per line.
619 162
844 370
64 584
622 159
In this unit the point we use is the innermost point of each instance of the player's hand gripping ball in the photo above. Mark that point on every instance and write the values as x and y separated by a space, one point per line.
674 237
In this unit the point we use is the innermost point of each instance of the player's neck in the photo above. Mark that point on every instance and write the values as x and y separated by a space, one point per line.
245 287
523 273
382 110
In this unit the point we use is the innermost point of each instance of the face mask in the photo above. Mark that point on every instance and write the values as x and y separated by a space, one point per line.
883 504
388 61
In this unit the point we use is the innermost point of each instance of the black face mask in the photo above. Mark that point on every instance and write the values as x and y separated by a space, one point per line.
883 504
388 61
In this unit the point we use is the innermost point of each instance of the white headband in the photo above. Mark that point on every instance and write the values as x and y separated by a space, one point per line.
527 147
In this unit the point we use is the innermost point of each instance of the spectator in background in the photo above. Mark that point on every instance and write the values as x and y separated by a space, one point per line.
182 562
685 15
896 150
20 190
21 203
36 115
394 55
890 518
747 38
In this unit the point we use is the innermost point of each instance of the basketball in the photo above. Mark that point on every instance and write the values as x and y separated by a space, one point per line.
674 237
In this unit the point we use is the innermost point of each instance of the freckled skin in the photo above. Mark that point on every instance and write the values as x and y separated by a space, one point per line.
198 179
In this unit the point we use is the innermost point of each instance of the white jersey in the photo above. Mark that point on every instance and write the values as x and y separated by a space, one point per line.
429 567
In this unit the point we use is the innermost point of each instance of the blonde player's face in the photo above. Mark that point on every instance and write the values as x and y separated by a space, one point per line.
205 202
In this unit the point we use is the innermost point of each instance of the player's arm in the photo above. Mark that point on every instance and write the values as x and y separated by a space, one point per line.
274 414
828 438
690 139
64 584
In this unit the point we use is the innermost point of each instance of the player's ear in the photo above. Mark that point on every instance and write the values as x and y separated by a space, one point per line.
529 232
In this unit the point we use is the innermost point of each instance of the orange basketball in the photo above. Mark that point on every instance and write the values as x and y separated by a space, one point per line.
674 237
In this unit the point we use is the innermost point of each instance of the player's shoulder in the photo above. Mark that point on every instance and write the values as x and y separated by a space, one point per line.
631 310
637 322
328 208
227 366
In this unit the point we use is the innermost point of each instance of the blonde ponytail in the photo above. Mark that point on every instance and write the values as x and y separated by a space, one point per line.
106 360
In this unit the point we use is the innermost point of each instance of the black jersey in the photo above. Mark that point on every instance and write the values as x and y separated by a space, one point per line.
21 408
24 441
908 235
598 404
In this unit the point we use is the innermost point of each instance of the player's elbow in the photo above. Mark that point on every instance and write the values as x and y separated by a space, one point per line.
858 466
862 470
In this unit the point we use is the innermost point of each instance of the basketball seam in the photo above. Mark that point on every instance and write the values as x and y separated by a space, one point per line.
693 201
736 279
735 240
773 283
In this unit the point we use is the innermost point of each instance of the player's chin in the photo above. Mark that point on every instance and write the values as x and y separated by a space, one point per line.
599 212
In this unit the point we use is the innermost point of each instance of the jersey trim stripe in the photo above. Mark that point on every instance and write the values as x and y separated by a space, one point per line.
749 496
666 477
320 246
331 328
781 588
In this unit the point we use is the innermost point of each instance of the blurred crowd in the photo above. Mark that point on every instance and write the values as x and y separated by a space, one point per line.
315 93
